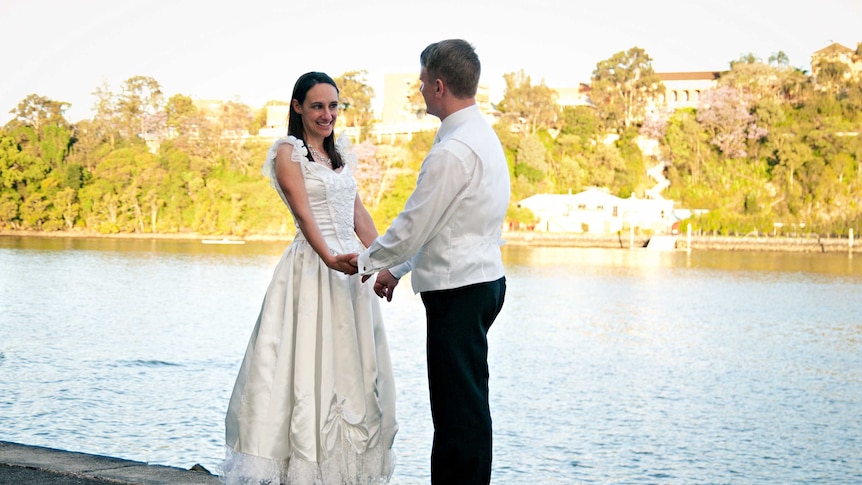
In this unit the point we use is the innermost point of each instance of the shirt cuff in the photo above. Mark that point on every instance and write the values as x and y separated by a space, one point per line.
400 270
363 264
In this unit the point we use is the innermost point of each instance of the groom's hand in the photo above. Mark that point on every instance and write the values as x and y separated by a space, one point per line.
385 284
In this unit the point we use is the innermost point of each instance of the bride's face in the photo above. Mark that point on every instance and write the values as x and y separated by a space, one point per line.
319 110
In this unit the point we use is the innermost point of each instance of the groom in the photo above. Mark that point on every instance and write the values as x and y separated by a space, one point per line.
449 235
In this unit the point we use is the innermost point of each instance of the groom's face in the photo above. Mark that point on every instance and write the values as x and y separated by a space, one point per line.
428 88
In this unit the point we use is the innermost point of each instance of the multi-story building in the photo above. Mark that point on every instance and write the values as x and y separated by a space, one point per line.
579 96
840 54
683 89
402 114
403 110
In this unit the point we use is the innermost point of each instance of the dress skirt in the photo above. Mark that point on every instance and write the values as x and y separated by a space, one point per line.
314 401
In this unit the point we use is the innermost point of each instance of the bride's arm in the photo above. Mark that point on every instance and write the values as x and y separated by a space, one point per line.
289 176
363 224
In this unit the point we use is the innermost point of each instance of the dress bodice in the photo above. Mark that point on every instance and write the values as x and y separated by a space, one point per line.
331 194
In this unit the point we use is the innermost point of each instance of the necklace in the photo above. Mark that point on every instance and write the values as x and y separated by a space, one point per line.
319 157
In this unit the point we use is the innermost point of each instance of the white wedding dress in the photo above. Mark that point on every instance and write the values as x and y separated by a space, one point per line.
314 401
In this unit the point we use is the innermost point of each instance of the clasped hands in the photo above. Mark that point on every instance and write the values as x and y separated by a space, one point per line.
385 284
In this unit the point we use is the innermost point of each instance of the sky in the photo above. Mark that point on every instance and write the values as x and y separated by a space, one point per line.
252 51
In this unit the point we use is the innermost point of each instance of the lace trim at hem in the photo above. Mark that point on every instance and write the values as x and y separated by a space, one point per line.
374 467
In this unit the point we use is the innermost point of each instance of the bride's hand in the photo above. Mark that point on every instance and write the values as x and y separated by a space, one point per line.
342 262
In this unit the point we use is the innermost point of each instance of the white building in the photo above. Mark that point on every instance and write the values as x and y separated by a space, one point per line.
684 89
595 211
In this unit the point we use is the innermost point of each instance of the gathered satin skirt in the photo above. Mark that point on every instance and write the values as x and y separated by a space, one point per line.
314 401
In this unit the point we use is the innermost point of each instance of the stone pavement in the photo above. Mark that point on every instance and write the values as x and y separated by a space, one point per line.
35 465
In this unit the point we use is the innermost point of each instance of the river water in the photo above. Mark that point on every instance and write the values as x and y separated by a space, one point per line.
607 366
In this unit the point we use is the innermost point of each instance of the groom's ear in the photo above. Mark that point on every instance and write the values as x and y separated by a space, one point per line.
439 88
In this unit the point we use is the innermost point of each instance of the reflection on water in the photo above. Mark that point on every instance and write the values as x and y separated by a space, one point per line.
831 264
607 366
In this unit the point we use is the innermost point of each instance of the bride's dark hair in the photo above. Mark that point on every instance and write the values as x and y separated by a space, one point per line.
294 119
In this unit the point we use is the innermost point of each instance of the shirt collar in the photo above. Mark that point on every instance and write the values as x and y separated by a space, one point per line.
455 119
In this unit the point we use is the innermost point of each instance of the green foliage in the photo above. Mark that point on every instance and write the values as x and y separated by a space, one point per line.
528 107
356 94
9 215
418 146
582 122
393 200
633 178
517 216
777 146
622 87
530 160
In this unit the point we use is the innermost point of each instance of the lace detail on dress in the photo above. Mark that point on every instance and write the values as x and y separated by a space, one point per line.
345 148
341 191
347 467
332 191
299 154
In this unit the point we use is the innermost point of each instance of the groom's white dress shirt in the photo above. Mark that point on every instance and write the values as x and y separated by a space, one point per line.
449 233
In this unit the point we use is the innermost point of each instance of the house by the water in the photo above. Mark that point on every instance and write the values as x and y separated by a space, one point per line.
595 211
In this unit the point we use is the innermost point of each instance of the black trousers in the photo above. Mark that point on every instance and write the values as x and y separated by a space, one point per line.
457 351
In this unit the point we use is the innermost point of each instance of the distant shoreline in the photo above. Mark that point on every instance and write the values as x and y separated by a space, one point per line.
808 244
189 236
805 244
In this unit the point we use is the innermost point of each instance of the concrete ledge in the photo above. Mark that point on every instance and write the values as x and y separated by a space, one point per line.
39 463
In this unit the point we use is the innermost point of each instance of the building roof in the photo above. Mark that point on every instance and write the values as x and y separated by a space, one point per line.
834 48
689 76
591 195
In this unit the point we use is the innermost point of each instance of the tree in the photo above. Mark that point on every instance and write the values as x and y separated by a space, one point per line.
623 86
604 165
761 81
415 100
12 163
9 202
22 167
724 113
355 95
531 162
235 119
38 111
528 107
831 74
106 123
371 174
54 144
41 128
780 59
66 203
584 123
182 116
140 106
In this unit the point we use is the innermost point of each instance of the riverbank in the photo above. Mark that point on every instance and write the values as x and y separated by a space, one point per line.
812 244
807 244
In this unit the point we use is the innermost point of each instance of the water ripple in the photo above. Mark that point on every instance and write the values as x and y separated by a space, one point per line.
606 366
146 363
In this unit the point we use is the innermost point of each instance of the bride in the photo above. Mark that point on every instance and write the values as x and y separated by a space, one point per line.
314 401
